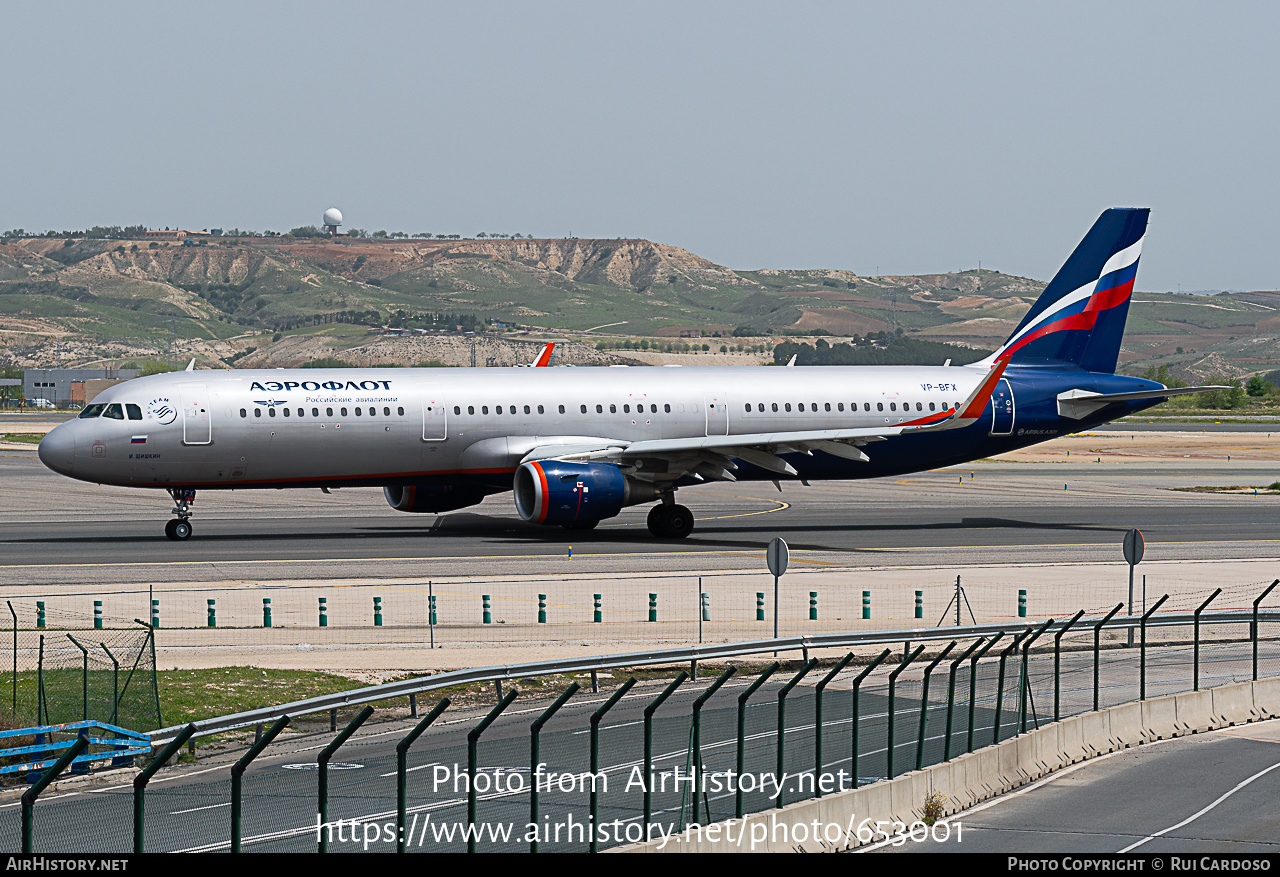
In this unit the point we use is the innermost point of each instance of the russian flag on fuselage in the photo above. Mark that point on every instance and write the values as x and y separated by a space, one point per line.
1080 316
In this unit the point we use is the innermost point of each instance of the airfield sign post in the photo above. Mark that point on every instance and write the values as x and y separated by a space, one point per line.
1134 547
777 555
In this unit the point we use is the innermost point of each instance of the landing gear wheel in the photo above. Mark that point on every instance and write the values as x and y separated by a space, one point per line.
670 521
168 529
181 530
657 515
679 522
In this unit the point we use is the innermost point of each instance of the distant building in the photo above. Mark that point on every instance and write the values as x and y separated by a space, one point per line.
58 384
174 234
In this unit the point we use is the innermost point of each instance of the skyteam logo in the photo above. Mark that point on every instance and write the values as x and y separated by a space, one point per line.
163 410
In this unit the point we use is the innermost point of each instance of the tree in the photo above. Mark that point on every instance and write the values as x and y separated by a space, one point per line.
1259 386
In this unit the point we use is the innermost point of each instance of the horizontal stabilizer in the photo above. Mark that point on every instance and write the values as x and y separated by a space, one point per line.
1079 404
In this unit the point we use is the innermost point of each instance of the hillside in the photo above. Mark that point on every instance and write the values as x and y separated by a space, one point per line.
227 299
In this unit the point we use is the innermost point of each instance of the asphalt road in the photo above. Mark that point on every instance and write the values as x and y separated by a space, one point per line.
1209 793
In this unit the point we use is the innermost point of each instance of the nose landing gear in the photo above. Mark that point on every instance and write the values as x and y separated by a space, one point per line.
179 529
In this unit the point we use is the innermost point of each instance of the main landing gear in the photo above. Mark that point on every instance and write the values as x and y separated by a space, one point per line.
179 529
670 521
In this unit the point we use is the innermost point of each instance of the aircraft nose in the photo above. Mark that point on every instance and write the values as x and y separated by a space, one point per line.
57 449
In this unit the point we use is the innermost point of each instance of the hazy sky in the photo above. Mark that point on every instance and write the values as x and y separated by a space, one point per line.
912 137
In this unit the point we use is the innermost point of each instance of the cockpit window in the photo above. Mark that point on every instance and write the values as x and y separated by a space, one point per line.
135 413
114 411
92 411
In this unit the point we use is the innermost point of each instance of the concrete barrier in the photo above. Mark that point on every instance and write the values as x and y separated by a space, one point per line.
973 777
1193 711
1159 718
1233 704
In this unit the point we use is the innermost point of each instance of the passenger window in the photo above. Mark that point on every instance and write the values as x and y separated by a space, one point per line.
930 406
286 412
788 406
243 413
562 409
840 406
114 411
456 410
526 409
653 409
748 407
626 409
400 412
134 412
879 406
666 407
540 411
328 412
800 406
893 406
827 406
866 406
919 407
93 411
315 412
343 412
775 406
813 406
471 409
484 409
271 412
497 409
584 408
613 409
257 412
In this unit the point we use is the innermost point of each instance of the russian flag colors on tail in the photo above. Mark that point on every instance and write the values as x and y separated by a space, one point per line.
1079 318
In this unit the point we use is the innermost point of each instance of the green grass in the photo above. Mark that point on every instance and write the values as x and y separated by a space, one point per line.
23 437
191 695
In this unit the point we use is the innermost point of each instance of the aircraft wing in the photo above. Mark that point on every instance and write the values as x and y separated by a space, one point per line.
711 457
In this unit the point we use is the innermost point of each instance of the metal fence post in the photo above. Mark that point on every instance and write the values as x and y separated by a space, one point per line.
1195 673
819 689
1057 665
115 685
322 763
951 693
648 745
759 605
535 731
97 615
1024 680
1254 630
973 685
696 733
653 607
924 702
84 678
595 756
237 777
212 620
542 608
402 770
1142 665
1097 651
377 612
857 682
140 785
893 683
473 740
995 728
30 795
742 728
782 719
266 611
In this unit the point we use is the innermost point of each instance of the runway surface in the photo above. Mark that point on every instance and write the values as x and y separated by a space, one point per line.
999 511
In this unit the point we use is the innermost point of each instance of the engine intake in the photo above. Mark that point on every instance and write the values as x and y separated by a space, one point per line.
549 492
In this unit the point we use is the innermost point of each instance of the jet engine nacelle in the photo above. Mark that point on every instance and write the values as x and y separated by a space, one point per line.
432 498
548 492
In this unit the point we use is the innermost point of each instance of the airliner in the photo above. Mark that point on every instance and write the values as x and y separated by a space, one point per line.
575 446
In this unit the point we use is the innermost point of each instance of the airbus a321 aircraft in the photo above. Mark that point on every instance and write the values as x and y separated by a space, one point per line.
577 445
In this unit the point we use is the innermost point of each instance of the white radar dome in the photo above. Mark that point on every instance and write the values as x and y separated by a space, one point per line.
333 216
